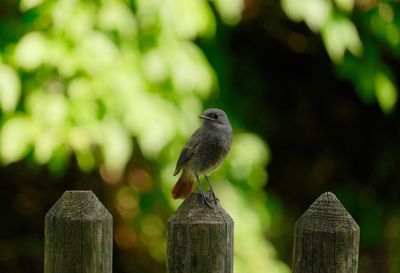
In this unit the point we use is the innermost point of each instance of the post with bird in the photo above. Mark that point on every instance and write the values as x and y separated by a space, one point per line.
200 232
326 238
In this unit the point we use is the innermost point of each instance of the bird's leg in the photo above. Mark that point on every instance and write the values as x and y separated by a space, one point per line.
204 199
211 190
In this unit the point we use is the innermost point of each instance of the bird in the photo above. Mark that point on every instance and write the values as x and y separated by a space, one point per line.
203 153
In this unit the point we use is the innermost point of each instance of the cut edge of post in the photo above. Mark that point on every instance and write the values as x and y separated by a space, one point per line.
328 207
192 209
74 240
326 234
79 205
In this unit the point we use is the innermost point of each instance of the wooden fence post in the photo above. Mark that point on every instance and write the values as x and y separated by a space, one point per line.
200 239
78 235
326 238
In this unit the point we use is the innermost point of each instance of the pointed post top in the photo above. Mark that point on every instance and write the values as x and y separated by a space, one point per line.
78 235
79 205
326 238
193 211
327 213
199 238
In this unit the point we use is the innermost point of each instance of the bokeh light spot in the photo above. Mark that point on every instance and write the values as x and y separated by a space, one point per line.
297 42
140 180
386 12
127 202
125 238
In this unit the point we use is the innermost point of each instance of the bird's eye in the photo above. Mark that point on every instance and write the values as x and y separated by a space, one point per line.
213 116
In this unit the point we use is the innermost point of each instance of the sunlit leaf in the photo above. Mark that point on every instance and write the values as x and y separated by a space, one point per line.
45 144
386 92
116 145
30 50
339 35
155 67
346 5
96 52
314 12
190 69
15 139
29 4
230 10
153 136
116 16
10 88
73 18
247 154
79 138
148 13
48 108
198 19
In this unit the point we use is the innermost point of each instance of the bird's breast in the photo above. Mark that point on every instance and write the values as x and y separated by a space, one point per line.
210 152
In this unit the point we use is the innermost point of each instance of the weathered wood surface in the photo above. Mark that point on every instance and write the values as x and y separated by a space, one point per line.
326 238
78 235
200 239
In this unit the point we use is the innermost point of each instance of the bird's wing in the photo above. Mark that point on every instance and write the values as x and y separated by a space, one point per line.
187 152
184 157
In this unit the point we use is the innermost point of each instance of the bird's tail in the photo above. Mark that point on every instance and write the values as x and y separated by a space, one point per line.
183 187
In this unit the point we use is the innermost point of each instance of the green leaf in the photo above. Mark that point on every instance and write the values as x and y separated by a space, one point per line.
49 108
60 159
25 5
345 5
314 12
198 19
116 16
15 139
31 50
45 144
86 160
190 69
230 10
340 34
386 92
96 52
154 66
116 145
247 154
10 88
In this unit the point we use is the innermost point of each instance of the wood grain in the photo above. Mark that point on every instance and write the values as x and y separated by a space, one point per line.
326 238
78 235
200 239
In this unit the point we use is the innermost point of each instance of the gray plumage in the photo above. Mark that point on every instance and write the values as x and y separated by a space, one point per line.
206 149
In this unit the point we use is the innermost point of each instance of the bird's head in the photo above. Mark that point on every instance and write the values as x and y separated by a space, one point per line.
215 115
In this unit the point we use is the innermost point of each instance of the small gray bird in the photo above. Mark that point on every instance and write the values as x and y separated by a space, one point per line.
203 153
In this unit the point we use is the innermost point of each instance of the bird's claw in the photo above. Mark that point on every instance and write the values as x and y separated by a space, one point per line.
215 198
205 200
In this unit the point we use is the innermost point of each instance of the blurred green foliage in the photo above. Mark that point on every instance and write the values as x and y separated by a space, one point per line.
357 36
113 82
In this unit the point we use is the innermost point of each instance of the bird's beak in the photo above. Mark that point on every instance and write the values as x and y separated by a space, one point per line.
205 117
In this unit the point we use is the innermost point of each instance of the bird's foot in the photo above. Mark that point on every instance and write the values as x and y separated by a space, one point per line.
215 198
205 200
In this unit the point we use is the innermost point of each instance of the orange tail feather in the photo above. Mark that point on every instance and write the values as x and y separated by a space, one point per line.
183 187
